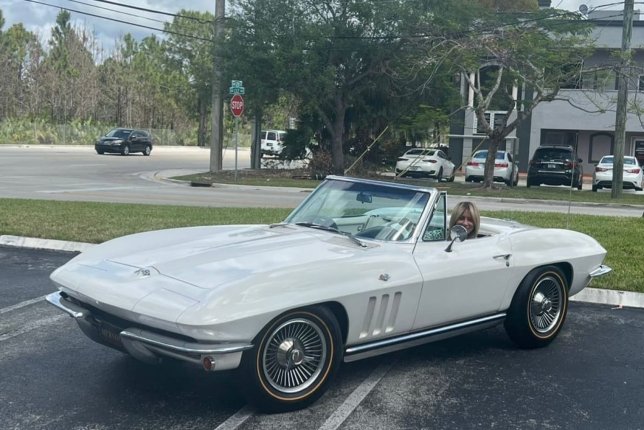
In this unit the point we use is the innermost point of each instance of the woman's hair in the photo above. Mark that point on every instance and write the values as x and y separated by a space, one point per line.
458 212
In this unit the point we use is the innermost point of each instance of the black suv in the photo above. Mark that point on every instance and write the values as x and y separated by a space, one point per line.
124 141
555 165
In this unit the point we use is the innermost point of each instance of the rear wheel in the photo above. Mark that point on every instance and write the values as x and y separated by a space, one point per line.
147 150
294 359
439 175
595 188
538 308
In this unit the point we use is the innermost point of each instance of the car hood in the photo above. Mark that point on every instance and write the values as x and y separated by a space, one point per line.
185 266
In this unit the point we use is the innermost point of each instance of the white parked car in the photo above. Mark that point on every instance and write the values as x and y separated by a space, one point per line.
505 169
425 162
603 173
360 268
272 142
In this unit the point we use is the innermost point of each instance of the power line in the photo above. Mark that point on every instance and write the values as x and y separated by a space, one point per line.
122 22
117 11
155 11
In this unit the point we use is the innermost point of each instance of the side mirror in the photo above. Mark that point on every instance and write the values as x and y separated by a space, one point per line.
457 232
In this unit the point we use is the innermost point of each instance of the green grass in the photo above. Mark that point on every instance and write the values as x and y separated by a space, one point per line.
283 178
98 222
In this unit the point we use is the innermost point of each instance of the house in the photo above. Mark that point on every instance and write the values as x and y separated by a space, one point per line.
585 113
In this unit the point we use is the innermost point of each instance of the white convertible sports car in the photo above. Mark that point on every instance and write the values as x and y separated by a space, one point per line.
360 268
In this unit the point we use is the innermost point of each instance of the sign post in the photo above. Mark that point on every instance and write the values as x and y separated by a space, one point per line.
237 109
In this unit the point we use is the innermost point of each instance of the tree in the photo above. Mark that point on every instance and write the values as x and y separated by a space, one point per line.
499 52
329 54
190 52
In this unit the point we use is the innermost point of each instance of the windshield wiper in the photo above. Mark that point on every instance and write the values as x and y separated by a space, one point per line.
334 230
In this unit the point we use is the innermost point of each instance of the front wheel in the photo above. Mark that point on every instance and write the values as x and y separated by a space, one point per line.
294 359
125 150
538 308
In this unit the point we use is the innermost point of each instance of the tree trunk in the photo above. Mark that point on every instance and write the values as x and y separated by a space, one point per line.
488 172
203 117
337 152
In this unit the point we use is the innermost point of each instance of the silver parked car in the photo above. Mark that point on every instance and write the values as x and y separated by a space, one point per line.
505 169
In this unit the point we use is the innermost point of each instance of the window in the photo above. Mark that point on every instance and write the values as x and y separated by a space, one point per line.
496 119
437 225
640 86
599 80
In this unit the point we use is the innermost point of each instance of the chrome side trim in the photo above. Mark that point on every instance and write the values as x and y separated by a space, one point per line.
71 309
600 271
418 338
164 342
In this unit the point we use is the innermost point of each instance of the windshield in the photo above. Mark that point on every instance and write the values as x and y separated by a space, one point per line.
500 155
119 132
363 209
627 160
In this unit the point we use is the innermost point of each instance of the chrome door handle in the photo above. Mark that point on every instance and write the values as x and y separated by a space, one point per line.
506 257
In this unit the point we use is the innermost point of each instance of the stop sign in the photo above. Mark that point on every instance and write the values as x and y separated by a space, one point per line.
237 105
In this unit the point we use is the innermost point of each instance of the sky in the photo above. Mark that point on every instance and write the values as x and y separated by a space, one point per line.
39 16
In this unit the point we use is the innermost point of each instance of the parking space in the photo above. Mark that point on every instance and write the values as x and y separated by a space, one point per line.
53 377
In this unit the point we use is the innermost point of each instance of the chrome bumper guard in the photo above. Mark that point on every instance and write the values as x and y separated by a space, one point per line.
148 346
600 271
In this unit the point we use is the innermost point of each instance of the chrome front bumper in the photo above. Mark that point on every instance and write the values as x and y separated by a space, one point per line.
149 346
600 271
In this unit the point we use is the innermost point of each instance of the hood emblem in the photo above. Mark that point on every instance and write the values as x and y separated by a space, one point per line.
142 272
384 277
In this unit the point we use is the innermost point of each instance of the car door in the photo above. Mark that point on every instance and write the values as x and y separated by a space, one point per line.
467 282
135 141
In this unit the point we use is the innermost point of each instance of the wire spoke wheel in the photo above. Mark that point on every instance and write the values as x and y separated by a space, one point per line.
294 356
546 304
538 309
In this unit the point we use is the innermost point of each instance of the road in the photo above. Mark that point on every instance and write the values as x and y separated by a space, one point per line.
79 174
54 378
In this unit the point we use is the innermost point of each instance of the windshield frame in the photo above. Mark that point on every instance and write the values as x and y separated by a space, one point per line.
371 196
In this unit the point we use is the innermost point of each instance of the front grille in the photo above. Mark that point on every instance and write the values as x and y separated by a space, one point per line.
113 325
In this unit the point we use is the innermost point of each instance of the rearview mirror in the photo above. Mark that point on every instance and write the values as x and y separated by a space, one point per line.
363 197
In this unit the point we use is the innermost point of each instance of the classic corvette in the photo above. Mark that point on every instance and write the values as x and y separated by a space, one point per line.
359 268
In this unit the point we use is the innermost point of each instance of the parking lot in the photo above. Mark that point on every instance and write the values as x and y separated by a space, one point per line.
55 378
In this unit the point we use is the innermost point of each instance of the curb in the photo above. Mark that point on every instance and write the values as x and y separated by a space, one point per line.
587 295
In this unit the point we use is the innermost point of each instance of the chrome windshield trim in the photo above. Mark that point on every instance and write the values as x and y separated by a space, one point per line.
168 343
425 333
600 271
71 309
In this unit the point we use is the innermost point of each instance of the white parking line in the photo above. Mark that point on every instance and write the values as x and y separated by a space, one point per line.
21 305
32 326
356 397
236 420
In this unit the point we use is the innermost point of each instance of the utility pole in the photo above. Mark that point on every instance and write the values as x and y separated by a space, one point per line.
622 101
216 140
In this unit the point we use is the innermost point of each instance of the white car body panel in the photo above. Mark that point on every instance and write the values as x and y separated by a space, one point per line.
224 284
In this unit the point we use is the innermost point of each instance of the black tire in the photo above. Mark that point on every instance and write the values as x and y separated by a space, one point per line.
595 188
468 179
580 184
147 150
538 309
99 152
125 150
307 339
439 175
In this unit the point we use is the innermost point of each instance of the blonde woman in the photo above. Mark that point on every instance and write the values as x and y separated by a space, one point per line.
467 215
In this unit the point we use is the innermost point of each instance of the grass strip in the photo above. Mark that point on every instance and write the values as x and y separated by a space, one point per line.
98 222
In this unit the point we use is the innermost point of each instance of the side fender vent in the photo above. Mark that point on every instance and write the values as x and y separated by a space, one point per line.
381 314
